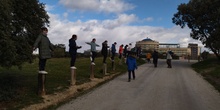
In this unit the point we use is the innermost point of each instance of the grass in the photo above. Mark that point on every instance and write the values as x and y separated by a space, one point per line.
18 88
210 70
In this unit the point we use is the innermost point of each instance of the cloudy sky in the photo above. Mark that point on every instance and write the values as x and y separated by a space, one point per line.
121 21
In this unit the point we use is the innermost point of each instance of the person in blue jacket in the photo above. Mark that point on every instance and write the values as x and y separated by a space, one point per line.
131 65
113 50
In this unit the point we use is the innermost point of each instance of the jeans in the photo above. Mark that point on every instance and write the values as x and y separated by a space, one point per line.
73 59
42 64
94 54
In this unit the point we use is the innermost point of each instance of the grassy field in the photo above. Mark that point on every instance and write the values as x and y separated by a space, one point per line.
18 88
210 70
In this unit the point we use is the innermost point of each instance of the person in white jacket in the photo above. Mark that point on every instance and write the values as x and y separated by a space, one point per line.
129 48
169 58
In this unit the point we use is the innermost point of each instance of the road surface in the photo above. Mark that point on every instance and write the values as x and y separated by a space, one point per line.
161 88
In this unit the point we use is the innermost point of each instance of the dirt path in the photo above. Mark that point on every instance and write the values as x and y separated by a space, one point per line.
162 88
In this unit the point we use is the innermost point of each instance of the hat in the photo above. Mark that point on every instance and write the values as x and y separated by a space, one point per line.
44 28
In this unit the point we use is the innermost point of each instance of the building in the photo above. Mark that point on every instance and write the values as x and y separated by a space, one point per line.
195 50
149 45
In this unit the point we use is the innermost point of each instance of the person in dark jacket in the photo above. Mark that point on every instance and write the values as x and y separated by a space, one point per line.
125 53
131 65
45 47
73 50
104 50
155 58
113 50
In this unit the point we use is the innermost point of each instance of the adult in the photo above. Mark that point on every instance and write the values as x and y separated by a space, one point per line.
120 51
113 50
73 50
155 58
125 51
93 50
104 50
138 51
169 58
129 48
45 47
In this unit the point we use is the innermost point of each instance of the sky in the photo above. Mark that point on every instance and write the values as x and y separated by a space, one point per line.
121 21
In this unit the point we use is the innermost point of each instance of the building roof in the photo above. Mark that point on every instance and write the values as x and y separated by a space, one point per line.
147 39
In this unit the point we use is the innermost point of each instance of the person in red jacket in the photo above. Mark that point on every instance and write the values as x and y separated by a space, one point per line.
120 52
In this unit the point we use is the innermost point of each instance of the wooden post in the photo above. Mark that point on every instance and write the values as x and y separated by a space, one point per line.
105 69
92 71
113 65
73 76
41 84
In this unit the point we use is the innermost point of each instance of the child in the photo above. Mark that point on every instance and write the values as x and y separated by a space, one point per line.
148 56
132 65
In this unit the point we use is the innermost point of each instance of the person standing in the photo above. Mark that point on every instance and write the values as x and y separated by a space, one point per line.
93 50
131 65
155 58
138 51
113 50
125 52
45 47
73 50
148 57
129 48
169 58
120 52
104 50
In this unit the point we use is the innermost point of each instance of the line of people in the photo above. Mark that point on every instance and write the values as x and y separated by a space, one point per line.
130 54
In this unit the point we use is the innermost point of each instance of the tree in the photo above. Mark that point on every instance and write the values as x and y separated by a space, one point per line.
20 22
203 18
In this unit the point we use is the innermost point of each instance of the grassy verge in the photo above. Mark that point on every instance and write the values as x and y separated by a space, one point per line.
210 70
18 88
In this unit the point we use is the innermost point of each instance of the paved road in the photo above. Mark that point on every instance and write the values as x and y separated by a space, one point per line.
162 88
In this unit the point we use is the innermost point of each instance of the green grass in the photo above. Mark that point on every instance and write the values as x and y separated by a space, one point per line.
18 88
210 70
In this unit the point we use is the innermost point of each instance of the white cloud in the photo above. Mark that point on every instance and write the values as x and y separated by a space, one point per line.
107 6
60 32
122 19
149 19
49 7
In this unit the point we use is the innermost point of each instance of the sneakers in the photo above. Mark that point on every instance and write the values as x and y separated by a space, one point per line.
43 72
73 67
92 63
111 59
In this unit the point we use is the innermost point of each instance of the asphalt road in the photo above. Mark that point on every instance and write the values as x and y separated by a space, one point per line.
161 88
